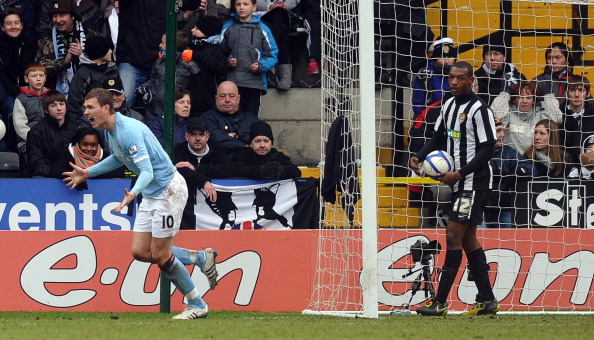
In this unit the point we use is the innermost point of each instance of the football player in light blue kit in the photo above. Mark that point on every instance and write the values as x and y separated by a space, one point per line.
164 194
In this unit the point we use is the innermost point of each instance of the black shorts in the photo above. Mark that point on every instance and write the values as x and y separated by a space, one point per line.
468 206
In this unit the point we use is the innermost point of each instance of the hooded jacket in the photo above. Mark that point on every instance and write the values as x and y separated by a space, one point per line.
429 86
27 112
250 42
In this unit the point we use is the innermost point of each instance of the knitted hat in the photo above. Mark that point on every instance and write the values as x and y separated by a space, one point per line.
113 84
209 25
444 48
190 5
495 42
97 46
261 128
498 122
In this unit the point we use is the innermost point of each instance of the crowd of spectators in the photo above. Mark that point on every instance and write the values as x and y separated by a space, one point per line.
545 126
54 52
70 47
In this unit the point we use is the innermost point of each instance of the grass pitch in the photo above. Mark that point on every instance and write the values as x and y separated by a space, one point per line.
253 325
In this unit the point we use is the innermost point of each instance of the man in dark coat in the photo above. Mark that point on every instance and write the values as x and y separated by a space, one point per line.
260 160
229 128
197 162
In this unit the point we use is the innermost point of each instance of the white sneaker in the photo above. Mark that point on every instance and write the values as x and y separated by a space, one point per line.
192 313
210 267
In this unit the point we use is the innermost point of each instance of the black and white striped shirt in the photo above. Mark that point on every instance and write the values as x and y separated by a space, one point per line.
468 125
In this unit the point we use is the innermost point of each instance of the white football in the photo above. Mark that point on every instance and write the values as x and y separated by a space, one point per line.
437 162
2 129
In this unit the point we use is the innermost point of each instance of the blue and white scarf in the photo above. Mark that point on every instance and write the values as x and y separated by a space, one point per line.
60 50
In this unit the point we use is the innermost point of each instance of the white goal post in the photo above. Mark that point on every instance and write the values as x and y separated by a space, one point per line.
370 66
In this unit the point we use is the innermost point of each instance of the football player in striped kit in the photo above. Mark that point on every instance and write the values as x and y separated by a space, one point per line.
466 126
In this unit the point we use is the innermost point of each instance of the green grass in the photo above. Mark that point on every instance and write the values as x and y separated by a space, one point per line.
261 326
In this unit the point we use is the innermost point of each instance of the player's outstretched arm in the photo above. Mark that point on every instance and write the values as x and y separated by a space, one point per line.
76 176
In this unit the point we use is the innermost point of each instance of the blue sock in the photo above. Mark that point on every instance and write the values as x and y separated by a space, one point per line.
187 256
179 276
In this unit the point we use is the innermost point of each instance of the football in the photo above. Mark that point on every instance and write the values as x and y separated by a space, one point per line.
437 162
2 129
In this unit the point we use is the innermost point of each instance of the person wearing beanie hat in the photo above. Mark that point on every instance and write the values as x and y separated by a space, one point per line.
431 83
495 75
211 57
261 128
260 160
208 26
93 70
558 67
97 47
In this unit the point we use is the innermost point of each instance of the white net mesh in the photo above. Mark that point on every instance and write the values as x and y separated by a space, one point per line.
542 262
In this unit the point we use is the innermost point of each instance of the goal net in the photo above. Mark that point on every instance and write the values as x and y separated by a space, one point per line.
384 74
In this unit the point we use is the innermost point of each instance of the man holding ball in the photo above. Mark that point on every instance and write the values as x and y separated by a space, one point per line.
467 128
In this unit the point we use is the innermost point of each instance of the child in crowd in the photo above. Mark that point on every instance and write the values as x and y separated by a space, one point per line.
211 57
47 140
431 83
28 107
253 53
153 91
94 69
85 149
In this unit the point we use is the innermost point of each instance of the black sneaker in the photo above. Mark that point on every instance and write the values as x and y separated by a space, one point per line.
433 308
483 308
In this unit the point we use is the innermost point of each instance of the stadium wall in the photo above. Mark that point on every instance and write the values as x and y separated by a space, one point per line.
270 271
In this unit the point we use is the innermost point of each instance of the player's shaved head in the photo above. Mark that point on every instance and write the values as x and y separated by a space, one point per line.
466 66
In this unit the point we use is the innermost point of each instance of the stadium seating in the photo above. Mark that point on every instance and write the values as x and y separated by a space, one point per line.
9 165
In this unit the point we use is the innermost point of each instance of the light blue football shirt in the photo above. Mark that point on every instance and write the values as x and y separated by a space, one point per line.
130 143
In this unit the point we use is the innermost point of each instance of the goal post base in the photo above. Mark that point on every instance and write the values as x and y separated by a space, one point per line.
359 314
